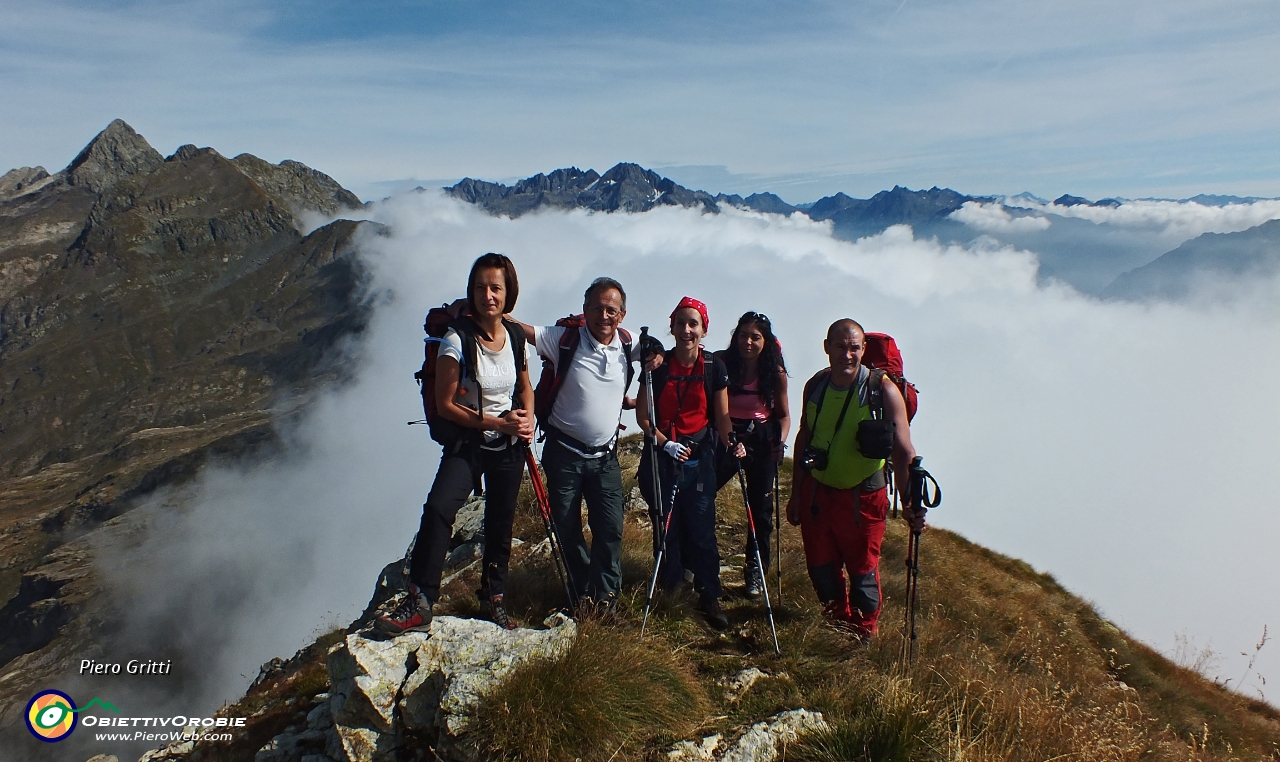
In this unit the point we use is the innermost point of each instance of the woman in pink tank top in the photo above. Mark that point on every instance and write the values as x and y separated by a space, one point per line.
761 421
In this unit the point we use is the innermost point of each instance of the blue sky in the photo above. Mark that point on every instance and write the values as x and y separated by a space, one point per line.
805 98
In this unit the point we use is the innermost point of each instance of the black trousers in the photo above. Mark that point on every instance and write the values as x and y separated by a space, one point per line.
760 469
455 480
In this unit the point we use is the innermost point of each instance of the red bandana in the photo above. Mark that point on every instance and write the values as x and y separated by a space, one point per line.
689 301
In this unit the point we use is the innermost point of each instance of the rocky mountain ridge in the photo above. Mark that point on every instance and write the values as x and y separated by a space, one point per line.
154 312
1226 260
631 188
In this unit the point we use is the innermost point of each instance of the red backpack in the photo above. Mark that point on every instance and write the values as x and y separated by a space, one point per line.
882 353
544 394
437 324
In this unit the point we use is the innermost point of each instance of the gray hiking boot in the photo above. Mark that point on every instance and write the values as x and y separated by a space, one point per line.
754 579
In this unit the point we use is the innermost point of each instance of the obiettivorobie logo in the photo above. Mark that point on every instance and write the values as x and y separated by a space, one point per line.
51 715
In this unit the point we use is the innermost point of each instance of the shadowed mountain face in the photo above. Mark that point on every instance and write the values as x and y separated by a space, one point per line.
1210 259
153 312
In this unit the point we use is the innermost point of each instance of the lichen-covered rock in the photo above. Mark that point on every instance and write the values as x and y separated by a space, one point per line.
736 686
757 743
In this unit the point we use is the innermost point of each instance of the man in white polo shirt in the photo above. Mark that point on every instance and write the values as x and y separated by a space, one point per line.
580 459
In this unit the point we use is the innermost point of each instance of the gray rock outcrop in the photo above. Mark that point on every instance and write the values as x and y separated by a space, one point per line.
426 686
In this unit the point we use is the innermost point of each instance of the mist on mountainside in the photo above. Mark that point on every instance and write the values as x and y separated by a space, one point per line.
1082 437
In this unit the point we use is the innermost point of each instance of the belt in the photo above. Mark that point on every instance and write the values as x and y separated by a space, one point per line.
573 444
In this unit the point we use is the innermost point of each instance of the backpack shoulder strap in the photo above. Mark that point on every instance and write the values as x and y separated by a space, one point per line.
515 335
875 392
626 358
708 381
466 329
811 388
569 341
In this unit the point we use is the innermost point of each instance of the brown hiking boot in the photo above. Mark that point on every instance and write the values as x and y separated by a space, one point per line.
496 612
711 611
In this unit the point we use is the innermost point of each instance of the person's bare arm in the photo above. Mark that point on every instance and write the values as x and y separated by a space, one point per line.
642 413
528 332
525 414
798 475
448 376
895 409
782 412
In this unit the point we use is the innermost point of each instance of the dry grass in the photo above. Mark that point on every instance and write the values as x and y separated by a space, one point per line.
610 693
1009 666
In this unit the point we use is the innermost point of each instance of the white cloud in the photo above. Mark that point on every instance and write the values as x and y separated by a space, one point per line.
1174 219
1096 98
1085 438
995 218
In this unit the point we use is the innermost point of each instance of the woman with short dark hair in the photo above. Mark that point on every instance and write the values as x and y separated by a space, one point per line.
482 389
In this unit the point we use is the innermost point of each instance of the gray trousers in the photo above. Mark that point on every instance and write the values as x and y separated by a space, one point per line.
596 572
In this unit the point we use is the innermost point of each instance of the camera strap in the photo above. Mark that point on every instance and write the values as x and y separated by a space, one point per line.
853 392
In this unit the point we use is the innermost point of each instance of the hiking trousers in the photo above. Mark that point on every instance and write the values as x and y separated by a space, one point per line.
571 478
760 469
691 540
458 474
843 530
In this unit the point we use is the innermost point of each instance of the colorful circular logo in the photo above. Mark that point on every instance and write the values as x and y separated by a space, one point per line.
51 716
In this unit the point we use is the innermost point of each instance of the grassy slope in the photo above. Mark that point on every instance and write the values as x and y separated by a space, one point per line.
1009 666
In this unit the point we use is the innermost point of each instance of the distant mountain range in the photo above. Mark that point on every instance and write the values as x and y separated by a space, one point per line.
1094 259
632 188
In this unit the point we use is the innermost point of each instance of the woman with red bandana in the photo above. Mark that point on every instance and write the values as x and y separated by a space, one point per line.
691 405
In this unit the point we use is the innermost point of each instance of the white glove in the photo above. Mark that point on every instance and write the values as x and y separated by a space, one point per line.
675 449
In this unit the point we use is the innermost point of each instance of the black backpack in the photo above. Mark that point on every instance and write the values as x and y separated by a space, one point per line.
436 325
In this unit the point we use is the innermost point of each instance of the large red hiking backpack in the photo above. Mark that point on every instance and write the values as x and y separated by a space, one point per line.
552 378
882 353
436 325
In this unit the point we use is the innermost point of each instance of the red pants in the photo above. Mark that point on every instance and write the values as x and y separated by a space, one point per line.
844 528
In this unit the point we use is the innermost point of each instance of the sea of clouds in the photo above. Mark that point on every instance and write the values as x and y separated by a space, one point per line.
1125 448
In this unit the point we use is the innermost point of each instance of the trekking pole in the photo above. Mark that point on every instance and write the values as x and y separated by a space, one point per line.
888 472
919 498
755 542
651 441
662 549
777 526
913 572
553 537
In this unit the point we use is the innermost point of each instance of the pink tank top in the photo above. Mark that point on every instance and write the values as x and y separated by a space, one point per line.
749 405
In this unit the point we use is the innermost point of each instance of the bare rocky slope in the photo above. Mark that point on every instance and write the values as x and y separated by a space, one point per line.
153 312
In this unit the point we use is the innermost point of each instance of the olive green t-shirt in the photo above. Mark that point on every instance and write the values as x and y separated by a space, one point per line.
846 467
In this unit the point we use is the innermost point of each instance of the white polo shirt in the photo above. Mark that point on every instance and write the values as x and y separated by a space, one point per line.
589 403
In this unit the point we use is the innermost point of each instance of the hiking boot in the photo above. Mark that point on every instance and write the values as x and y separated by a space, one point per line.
413 614
495 612
711 611
755 581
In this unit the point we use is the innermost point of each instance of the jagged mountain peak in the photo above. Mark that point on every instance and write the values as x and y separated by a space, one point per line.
114 154
626 187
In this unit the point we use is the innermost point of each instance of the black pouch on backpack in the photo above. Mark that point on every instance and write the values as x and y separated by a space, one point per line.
875 438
